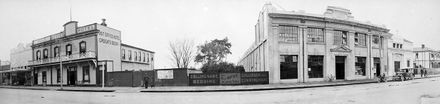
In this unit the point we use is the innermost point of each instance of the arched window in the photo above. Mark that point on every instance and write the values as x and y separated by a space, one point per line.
82 47
69 49
56 51
38 55
45 53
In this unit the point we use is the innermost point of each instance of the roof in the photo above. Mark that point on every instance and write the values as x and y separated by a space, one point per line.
126 45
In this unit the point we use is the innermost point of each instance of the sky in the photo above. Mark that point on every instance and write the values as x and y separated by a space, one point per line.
152 24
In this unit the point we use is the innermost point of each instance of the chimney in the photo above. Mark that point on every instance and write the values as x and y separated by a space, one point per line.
103 22
423 45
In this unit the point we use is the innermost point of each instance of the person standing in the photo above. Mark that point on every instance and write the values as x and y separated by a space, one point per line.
146 79
421 73
426 73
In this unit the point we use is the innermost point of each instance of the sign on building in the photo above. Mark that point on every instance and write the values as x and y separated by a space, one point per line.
165 74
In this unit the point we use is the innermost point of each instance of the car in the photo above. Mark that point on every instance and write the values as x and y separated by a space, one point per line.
404 74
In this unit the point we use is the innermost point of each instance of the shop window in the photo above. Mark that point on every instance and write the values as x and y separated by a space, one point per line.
340 37
315 35
58 75
56 51
86 73
360 39
45 53
68 49
123 54
288 34
360 66
316 66
44 76
129 55
288 66
82 47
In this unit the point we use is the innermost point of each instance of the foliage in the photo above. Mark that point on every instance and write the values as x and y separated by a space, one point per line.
222 67
213 52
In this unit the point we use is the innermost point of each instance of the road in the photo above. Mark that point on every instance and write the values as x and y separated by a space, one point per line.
425 91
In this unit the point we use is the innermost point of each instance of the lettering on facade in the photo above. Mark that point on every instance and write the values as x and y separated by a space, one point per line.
201 79
108 41
230 78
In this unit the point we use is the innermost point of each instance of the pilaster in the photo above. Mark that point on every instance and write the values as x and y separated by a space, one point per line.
351 59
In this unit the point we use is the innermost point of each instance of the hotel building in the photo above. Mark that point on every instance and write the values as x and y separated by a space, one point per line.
301 47
84 52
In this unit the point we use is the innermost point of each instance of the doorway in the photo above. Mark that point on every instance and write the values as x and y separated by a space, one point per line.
377 65
396 66
71 76
340 67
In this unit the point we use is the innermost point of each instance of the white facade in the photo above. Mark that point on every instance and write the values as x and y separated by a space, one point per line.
426 57
400 54
134 58
20 57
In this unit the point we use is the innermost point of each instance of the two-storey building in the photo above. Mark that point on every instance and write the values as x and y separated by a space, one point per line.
400 54
303 47
78 55
426 57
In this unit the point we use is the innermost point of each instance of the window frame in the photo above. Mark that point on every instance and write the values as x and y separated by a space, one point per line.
319 37
68 49
86 71
82 50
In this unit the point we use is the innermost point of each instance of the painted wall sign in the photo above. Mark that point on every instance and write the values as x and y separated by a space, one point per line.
230 78
165 74
246 78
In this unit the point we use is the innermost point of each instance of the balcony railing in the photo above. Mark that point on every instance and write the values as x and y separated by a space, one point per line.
89 54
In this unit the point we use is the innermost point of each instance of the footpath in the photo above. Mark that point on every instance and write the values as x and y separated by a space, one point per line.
228 88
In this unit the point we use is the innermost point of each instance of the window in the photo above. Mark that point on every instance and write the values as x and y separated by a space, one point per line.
123 54
82 47
38 55
376 41
58 75
407 63
56 51
86 73
148 58
140 57
394 45
360 39
288 34
316 66
360 66
45 54
44 76
129 54
144 56
135 56
288 66
315 35
417 55
69 49
340 37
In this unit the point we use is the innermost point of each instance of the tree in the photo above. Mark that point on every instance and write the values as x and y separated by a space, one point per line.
212 56
213 52
182 52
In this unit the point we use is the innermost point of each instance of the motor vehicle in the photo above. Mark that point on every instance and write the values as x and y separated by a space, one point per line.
404 74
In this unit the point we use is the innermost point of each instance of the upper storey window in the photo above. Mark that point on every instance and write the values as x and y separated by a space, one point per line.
288 34
45 54
56 51
135 56
82 47
315 35
38 55
144 56
68 49
360 39
123 54
129 54
340 37
376 41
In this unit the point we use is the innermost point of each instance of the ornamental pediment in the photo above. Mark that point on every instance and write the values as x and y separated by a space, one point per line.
342 48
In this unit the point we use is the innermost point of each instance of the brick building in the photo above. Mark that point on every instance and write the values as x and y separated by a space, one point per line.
84 52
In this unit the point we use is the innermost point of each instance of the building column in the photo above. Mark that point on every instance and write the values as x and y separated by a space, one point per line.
369 63
273 55
303 62
329 58
384 56
351 59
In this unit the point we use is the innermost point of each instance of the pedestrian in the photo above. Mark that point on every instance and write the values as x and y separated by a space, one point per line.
421 73
426 73
146 82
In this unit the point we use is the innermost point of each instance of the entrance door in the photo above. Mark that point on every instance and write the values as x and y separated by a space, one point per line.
396 66
377 65
71 76
340 67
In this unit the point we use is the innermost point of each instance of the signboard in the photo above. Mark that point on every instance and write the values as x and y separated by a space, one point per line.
109 46
229 78
203 79
246 78
165 74
254 78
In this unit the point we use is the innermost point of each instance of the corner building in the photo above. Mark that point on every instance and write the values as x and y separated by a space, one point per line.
302 47
84 52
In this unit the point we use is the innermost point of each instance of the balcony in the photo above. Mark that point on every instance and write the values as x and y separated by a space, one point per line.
76 56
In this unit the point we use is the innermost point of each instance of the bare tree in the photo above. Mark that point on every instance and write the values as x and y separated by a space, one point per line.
182 52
